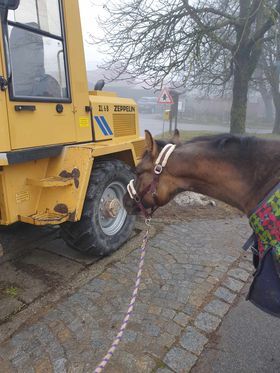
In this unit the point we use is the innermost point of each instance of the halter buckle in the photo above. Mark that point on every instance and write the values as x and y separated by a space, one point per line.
158 169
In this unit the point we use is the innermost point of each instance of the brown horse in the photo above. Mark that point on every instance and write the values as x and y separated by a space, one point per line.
241 171
237 170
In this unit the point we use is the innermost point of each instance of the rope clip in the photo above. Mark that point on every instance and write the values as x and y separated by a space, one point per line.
148 222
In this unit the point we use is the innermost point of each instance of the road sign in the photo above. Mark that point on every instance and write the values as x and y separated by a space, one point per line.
165 97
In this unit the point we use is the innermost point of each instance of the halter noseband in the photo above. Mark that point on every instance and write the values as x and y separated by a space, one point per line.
151 188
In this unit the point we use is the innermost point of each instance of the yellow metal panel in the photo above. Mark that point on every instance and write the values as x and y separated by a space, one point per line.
19 197
77 67
117 146
44 218
4 128
75 162
51 182
41 127
120 114
35 193
112 147
3 202
139 147
166 114
103 93
124 124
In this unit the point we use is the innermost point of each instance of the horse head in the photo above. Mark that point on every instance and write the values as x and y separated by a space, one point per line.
153 190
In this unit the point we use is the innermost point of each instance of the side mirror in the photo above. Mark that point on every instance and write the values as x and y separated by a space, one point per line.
9 4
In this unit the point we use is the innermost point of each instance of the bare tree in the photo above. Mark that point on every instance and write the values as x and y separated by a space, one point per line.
266 76
173 40
270 62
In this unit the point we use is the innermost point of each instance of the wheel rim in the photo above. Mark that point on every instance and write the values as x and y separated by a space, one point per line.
112 213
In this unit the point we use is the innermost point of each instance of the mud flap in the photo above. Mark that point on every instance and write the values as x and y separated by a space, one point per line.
264 292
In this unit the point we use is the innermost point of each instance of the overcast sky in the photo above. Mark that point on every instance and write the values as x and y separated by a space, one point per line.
89 15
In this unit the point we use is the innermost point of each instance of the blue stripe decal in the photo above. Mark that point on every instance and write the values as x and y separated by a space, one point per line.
106 125
100 124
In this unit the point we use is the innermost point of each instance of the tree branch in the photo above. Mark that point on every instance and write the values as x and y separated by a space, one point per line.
206 29
266 26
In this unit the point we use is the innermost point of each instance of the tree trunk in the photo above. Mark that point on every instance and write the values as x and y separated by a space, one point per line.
276 101
274 82
268 104
245 60
276 128
239 101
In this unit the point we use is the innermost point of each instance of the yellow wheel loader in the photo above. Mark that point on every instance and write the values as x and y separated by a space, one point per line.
66 154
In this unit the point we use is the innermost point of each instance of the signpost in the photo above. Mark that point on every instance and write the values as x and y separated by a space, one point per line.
171 97
166 99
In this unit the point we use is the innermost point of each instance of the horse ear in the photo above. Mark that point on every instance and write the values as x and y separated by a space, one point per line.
151 145
176 137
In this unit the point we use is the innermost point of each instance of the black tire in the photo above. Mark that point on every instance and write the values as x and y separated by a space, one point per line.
90 235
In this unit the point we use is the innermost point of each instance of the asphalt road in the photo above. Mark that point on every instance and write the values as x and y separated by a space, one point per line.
247 341
155 126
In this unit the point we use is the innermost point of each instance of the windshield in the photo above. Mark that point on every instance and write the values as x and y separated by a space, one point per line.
36 51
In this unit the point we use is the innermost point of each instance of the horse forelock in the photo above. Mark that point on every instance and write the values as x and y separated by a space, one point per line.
161 144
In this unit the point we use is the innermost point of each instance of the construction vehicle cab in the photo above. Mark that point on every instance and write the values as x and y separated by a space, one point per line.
65 153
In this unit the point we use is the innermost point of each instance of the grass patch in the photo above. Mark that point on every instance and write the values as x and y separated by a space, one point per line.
12 291
268 136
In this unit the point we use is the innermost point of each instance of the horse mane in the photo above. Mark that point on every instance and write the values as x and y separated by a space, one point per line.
234 148
217 141
222 141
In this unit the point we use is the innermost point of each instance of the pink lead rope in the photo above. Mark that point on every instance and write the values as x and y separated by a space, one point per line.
114 345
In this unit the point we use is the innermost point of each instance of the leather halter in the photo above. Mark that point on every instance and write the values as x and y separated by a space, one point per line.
152 187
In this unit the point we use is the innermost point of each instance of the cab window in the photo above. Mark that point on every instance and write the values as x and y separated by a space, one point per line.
36 52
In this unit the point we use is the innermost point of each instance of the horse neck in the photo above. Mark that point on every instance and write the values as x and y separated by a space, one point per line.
266 170
240 185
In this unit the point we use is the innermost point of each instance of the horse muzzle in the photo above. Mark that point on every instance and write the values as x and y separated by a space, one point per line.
139 200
